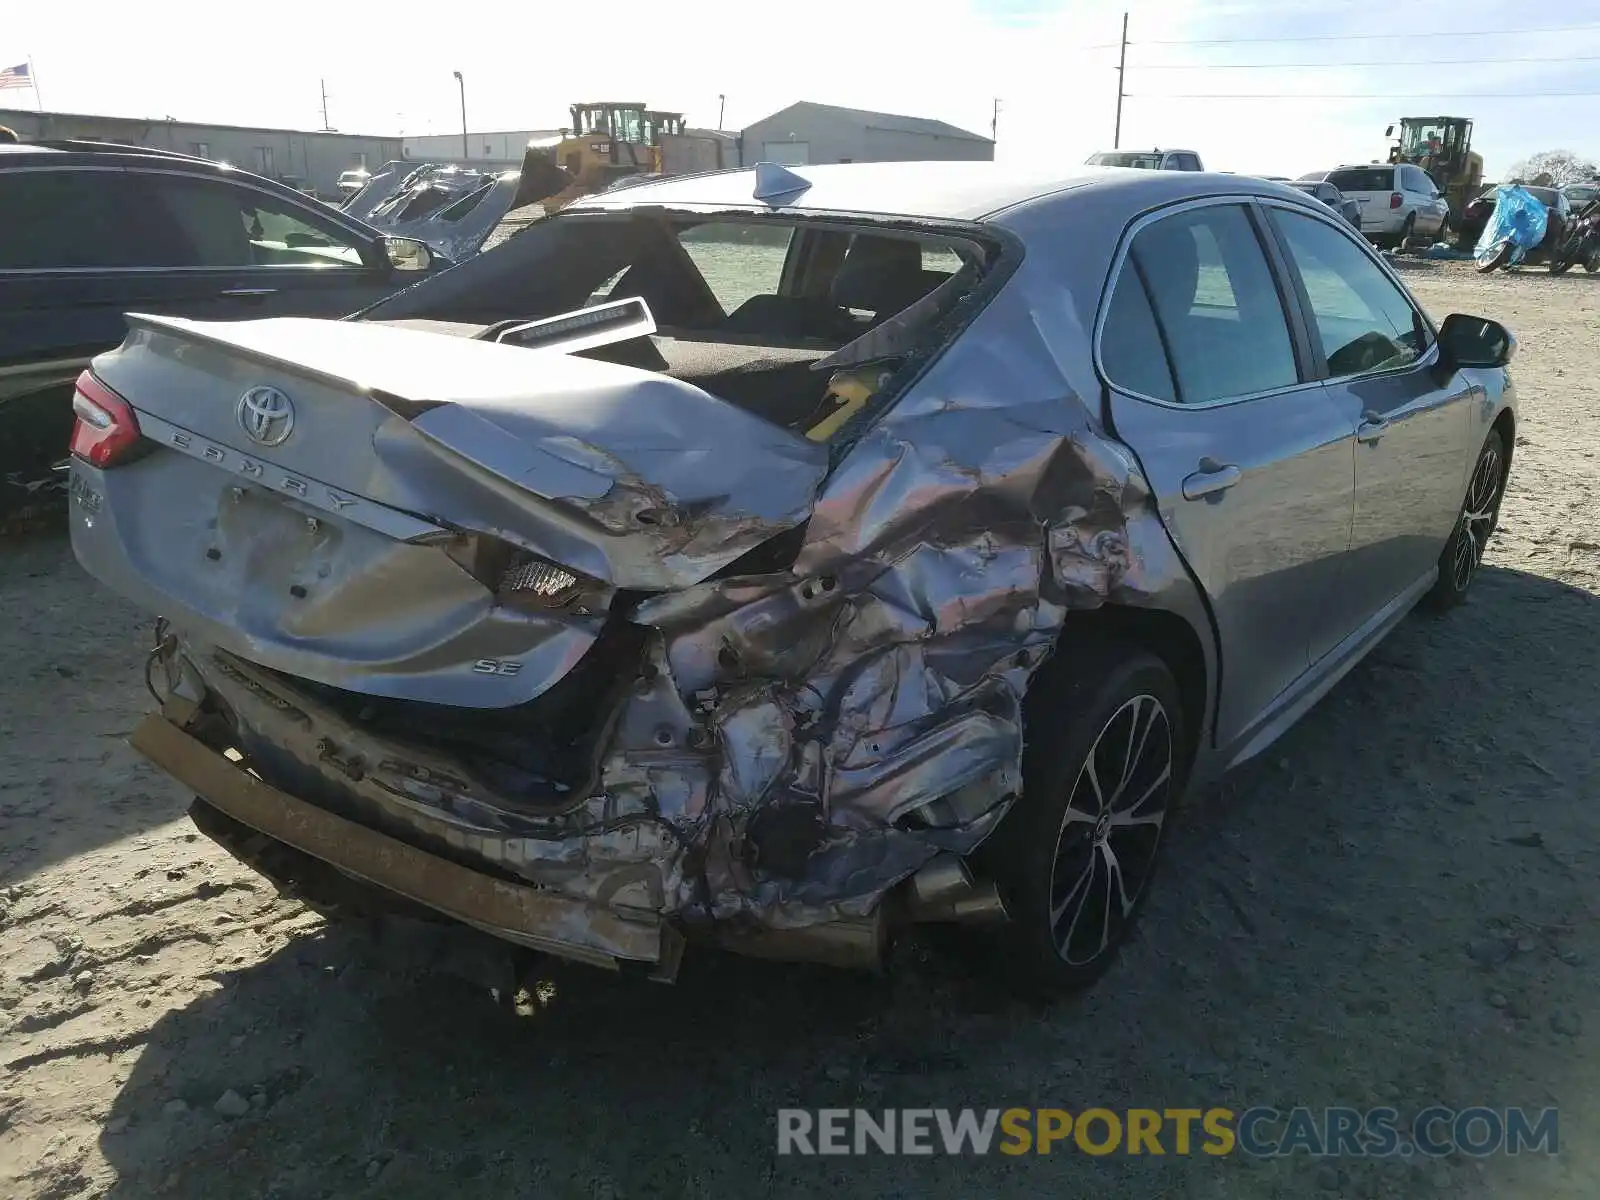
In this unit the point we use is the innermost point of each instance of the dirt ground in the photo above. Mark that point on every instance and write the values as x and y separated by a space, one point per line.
1395 906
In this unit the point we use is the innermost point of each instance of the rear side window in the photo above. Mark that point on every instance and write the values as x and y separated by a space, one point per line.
1214 306
77 220
1364 179
1131 350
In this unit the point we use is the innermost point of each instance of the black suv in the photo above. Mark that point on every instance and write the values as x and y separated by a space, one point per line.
90 231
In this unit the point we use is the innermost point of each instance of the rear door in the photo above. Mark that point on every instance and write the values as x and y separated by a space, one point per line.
253 252
1251 460
1424 198
1372 189
1376 350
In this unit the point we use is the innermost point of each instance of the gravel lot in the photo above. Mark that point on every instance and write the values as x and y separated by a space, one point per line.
1395 906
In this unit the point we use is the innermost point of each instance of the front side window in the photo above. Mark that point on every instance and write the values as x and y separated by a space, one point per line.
1216 310
1365 322
228 226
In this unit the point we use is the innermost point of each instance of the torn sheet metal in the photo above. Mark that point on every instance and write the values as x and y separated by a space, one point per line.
799 742
453 209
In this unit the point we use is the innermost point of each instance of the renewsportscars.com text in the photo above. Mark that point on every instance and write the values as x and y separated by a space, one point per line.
1259 1131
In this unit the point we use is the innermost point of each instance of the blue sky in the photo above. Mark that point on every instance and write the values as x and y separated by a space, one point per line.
1051 64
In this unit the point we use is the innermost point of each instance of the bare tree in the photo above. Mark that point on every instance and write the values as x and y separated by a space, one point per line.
1554 168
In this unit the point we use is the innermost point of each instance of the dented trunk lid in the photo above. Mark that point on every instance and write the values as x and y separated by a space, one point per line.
328 546
630 477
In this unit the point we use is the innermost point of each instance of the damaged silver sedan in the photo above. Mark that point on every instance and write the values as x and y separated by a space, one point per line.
772 559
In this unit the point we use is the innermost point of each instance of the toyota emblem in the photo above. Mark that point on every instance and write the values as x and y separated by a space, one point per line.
266 415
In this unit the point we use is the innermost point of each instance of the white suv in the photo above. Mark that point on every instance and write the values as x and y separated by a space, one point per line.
1397 200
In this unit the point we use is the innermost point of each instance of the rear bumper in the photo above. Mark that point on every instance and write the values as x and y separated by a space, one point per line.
514 911
520 913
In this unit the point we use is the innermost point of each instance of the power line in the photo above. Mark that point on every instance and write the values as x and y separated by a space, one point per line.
1360 95
1389 62
1365 37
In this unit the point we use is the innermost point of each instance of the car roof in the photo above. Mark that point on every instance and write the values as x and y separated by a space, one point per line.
100 154
954 191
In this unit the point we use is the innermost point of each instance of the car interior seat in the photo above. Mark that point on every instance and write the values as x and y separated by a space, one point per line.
882 275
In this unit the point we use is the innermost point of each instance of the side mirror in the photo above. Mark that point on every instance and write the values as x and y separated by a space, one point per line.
1389 131
1475 342
408 254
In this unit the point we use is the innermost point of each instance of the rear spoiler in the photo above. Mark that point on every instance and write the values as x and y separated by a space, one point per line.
566 333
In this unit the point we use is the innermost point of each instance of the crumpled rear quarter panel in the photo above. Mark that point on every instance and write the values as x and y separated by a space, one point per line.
889 667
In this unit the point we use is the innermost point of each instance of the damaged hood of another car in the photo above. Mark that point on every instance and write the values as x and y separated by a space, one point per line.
451 208
633 478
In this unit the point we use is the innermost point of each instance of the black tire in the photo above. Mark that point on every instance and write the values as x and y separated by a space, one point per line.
1480 513
1499 258
1592 263
1071 837
1563 259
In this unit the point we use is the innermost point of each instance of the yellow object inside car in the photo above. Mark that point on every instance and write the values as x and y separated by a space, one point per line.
849 391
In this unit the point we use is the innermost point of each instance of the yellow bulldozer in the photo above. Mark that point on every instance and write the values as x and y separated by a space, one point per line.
610 140
1442 147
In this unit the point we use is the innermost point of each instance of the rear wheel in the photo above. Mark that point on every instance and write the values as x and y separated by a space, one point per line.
1101 772
1480 512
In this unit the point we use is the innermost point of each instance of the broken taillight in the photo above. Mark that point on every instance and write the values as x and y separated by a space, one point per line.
106 429
544 580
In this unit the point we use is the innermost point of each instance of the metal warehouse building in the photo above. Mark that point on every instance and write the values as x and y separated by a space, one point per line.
822 133
297 157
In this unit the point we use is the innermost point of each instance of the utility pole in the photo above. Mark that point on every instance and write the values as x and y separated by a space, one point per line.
1122 70
994 121
722 107
465 153
326 127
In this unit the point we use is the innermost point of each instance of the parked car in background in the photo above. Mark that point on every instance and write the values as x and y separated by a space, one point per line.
1148 160
352 181
1332 197
747 558
1398 202
89 232
1476 215
1580 195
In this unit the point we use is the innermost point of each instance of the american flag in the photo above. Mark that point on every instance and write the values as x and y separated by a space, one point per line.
17 76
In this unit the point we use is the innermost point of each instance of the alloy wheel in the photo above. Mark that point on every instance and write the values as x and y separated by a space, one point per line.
1477 517
1111 830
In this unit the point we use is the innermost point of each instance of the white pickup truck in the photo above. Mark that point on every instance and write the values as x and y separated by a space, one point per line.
1149 160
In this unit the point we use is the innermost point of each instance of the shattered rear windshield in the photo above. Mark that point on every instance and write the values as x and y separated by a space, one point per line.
802 323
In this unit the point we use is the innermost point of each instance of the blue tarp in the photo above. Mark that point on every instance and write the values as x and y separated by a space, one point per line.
1519 217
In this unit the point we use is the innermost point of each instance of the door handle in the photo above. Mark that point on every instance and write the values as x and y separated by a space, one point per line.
1211 479
250 293
1373 426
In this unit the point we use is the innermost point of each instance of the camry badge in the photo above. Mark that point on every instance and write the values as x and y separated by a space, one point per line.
266 415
